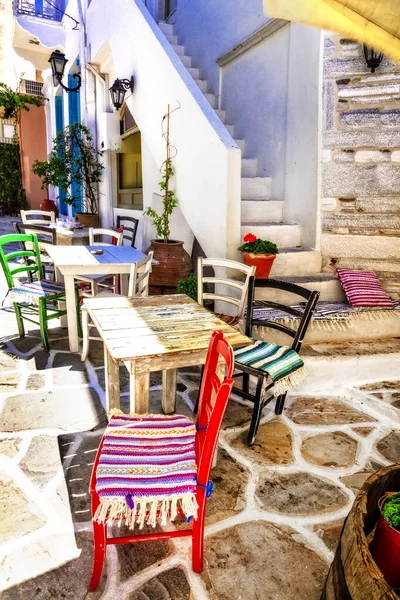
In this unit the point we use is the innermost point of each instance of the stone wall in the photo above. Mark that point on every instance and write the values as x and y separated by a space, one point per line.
360 164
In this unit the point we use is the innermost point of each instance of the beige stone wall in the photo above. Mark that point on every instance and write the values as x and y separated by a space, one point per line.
360 164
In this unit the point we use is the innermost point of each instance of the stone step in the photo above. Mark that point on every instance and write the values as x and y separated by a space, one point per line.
203 85
230 129
300 260
241 144
221 114
249 167
166 28
282 234
255 211
194 72
173 39
256 188
328 285
180 50
211 99
186 60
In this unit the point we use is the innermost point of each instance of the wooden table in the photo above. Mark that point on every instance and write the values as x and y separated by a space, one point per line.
157 333
71 261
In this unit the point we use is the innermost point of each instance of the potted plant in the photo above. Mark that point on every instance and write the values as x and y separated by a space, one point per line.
259 253
188 286
173 262
74 167
385 547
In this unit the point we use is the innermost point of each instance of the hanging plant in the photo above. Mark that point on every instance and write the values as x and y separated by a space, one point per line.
13 102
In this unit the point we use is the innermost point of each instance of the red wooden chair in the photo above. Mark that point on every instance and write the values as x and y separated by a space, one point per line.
214 395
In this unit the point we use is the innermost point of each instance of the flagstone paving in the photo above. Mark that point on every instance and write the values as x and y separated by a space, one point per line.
276 513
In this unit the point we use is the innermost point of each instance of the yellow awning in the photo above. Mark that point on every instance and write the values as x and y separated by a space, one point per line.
374 22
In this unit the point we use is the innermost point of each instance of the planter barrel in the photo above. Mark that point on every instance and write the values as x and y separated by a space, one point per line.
88 219
262 263
174 263
354 575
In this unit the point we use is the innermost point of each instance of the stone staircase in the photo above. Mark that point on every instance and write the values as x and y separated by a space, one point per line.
261 214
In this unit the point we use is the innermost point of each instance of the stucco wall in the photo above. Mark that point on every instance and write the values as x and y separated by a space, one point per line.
33 144
361 164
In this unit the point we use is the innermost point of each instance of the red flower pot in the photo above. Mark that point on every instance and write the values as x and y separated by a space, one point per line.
262 262
49 206
385 549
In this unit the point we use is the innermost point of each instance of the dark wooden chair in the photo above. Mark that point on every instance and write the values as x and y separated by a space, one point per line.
296 333
46 235
130 228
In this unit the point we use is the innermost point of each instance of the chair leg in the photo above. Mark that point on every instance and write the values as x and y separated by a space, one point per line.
78 312
85 334
246 381
280 404
198 539
43 324
20 321
99 550
257 410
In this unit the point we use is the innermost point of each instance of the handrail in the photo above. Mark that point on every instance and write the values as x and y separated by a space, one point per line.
53 11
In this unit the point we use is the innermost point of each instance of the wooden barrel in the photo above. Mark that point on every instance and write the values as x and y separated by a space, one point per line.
353 574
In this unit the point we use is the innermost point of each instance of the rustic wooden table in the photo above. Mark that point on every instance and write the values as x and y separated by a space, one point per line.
157 333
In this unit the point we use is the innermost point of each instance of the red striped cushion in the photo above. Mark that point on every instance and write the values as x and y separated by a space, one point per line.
363 288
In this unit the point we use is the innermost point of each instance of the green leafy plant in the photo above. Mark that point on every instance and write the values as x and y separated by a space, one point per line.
73 160
13 102
12 193
258 246
161 222
188 286
391 510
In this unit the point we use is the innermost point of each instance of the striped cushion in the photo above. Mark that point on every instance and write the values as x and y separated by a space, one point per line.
30 293
147 464
363 288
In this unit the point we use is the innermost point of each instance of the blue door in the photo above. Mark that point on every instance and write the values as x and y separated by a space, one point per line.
74 116
59 110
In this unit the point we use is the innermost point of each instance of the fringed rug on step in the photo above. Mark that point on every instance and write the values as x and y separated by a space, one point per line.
147 465
283 365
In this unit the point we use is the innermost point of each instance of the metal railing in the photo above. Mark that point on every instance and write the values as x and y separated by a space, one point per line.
45 9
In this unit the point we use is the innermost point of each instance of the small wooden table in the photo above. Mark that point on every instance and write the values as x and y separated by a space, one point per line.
157 333
71 261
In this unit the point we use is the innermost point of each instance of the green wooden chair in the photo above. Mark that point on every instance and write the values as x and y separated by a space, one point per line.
35 297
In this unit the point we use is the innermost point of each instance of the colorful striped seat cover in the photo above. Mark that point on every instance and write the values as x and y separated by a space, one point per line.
30 293
147 464
281 363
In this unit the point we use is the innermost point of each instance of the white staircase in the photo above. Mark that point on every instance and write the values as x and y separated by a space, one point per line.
261 214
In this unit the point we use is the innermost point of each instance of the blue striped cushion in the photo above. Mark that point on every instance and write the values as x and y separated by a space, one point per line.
30 293
277 361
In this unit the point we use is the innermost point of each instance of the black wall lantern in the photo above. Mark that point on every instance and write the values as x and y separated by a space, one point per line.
372 58
58 61
118 91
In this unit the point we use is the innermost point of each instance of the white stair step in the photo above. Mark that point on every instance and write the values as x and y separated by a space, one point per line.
203 84
260 211
166 28
241 144
173 39
301 261
180 50
326 284
211 99
254 188
194 72
221 114
282 234
249 167
230 128
186 60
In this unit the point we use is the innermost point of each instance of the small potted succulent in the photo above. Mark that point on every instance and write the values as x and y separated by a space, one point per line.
385 547
258 253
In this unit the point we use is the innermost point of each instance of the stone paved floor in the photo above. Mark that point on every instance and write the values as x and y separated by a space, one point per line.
275 515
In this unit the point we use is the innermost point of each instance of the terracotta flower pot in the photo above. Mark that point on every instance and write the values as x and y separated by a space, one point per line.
385 548
50 206
262 262
174 263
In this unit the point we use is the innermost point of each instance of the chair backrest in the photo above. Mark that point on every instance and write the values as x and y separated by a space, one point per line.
130 228
139 277
113 235
37 216
213 398
34 266
242 271
300 324
45 234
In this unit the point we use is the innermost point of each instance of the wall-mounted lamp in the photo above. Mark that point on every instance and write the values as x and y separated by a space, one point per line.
372 58
58 61
118 91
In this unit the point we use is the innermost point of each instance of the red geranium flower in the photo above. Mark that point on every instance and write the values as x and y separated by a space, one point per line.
250 237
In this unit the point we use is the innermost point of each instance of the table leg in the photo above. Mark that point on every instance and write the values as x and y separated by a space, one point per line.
124 281
139 390
71 313
111 368
168 401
